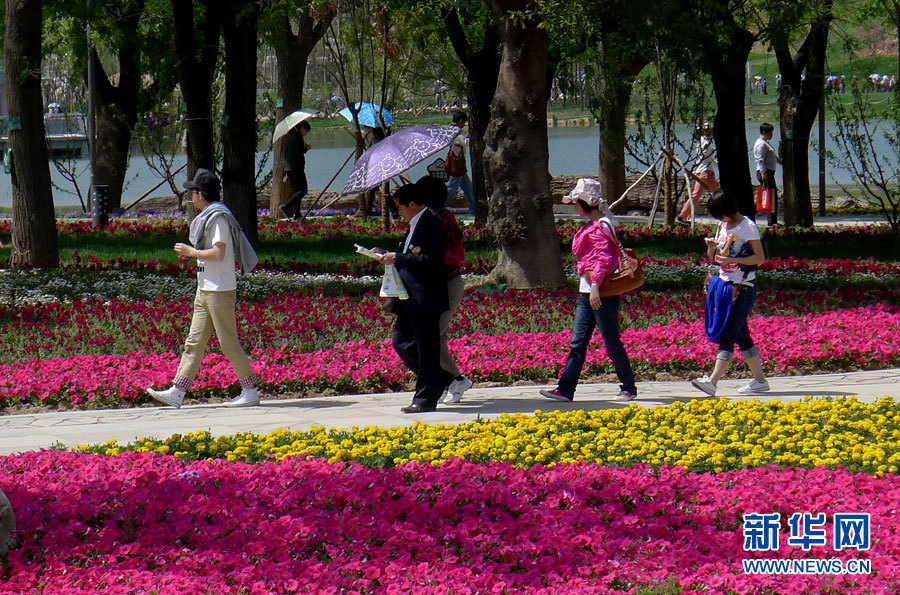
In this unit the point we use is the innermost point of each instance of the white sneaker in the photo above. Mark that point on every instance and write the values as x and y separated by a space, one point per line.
248 398
171 396
705 385
456 389
755 387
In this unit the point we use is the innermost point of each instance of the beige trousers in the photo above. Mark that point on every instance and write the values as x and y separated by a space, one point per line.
455 289
213 310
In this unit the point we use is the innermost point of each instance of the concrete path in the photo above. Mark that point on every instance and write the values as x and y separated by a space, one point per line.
30 432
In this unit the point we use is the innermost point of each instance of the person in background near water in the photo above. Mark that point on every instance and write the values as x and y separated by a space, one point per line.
433 192
766 158
371 136
295 149
738 251
704 169
218 243
458 149
597 255
420 264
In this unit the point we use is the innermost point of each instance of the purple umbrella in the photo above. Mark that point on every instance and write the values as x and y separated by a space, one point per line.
397 153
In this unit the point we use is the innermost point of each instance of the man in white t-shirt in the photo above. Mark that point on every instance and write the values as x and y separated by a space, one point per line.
216 235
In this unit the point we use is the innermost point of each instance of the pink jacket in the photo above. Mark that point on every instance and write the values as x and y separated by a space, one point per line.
596 251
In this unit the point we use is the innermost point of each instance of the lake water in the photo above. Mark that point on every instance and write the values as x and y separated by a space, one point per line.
573 151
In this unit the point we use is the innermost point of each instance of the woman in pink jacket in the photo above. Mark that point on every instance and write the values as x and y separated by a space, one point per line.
597 254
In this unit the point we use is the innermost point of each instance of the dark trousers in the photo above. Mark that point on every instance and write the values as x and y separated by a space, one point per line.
298 183
586 319
417 340
770 183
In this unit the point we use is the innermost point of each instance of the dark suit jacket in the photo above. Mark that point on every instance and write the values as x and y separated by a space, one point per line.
421 269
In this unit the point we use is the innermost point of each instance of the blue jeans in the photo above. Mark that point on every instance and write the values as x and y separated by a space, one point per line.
736 329
454 183
586 319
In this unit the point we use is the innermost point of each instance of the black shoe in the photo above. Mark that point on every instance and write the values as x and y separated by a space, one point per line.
682 222
284 211
418 408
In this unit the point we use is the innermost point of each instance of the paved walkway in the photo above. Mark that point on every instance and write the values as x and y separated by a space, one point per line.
30 432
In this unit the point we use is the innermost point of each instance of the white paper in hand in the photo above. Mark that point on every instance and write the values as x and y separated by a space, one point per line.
392 285
366 252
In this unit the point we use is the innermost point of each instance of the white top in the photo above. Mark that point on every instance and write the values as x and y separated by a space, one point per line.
764 155
412 228
217 275
735 242
706 155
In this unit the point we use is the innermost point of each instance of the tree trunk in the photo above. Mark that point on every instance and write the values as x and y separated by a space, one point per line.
482 68
799 112
292 55
520 215
615 97
34 240
239 119
117 106
726 65
195 67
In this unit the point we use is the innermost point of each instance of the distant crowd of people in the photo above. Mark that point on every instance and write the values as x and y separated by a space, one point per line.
876 83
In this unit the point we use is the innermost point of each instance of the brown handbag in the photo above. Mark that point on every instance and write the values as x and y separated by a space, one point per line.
627 276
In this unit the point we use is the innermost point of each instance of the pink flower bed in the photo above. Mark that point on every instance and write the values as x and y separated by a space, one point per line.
830 340
139 523
315 320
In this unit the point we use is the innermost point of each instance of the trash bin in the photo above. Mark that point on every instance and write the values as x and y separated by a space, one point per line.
99 211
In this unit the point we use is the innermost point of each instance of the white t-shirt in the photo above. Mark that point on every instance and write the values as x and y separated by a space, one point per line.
735 242
217 275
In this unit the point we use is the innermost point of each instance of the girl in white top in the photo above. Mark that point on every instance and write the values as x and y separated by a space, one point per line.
738 251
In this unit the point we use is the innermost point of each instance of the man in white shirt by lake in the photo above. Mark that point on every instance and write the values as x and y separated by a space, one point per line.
766 158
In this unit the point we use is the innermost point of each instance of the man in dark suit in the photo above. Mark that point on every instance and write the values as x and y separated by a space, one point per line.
417 336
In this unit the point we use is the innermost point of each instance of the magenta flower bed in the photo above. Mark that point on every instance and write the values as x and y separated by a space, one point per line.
139 523
830 340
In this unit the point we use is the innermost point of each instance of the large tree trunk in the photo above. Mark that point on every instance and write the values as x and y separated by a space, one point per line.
725 59
195 67
615 97
117 105
292 55
798 113
520 216
239 119
34 241
482 69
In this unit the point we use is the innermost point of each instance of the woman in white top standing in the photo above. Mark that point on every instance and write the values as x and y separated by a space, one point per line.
705 170
738 251
218 243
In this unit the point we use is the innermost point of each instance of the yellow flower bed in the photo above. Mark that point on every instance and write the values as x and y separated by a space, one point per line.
701 435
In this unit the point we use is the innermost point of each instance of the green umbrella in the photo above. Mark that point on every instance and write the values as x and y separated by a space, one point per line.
289 122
